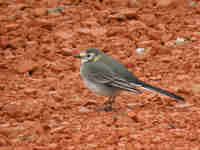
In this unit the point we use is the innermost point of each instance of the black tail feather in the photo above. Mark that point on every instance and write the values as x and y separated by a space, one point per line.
159 90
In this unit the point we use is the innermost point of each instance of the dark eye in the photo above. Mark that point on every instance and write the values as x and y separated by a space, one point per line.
89 56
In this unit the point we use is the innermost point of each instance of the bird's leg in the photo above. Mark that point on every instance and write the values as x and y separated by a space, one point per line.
111 100
109 103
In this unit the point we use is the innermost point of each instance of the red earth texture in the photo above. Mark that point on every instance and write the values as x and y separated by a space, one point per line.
44 104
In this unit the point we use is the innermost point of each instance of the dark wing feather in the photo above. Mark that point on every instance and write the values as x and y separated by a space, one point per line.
106 76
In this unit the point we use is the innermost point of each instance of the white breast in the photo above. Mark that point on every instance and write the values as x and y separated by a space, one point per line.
98 88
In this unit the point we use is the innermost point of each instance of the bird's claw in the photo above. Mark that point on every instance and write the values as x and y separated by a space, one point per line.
106 108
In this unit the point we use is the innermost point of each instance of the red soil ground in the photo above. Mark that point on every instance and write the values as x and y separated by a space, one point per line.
43 102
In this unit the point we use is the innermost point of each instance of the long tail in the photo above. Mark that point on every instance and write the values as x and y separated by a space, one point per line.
158 90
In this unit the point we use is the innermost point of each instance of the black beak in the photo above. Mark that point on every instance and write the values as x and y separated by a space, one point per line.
77 56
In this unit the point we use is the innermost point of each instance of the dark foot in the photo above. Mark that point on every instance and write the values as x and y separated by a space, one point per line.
106 108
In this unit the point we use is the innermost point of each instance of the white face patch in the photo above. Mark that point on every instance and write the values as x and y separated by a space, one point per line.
84 60
87 57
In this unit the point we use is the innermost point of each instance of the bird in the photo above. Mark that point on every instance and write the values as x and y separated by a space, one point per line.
106 76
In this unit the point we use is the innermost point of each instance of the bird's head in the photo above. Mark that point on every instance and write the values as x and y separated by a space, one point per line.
90 55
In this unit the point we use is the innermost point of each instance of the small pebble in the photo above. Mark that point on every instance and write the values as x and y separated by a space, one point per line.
140 50
180 40
183 105
84 110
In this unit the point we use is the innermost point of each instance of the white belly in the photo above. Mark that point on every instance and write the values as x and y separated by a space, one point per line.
100 89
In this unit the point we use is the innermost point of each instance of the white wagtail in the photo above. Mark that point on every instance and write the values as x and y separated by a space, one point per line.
106 76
